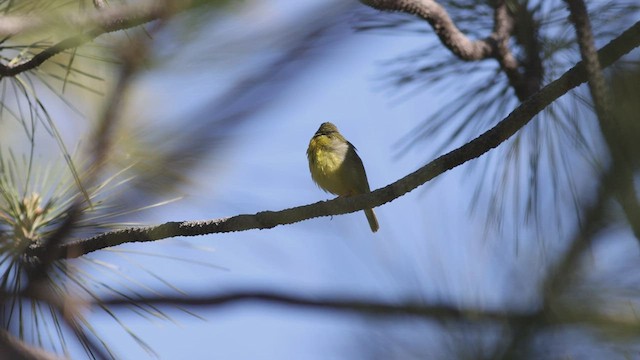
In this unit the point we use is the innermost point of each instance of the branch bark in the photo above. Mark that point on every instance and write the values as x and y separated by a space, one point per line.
627 41
502 28
432 311
526 35
495 46
87 28
436 15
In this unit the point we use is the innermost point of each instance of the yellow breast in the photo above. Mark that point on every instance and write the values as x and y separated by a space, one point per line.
326 163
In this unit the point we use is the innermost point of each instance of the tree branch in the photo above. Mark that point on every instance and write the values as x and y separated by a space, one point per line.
433 311
449 34
495 46
525 34
88 27
502 28
597 83
627 41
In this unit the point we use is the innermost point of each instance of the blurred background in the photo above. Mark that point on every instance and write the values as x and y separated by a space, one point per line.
215 122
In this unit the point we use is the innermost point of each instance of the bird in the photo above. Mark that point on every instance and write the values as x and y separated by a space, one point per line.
336 167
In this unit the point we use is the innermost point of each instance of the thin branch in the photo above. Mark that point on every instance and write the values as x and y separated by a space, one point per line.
88 27
597 83
433 311
112 18
526 35
502 28
627 41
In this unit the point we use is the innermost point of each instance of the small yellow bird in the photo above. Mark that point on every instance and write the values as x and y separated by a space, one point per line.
336 167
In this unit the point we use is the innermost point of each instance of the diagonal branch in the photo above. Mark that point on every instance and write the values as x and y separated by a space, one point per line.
87 27
627 41
112 18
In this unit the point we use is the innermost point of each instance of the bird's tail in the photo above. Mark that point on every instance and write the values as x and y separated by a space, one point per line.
373 221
